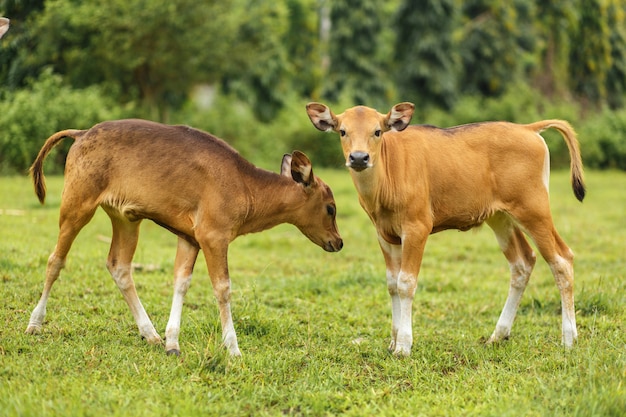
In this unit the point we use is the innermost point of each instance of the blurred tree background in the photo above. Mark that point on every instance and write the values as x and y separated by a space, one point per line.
244 69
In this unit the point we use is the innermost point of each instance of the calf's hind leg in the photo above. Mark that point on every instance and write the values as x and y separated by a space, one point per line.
123 245
538 222
560 258
521 260
73 217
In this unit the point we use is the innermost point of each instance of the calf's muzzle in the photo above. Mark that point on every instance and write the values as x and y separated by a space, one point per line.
333 246
358 160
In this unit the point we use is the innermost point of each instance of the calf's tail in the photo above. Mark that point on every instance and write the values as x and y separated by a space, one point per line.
36 170
576 163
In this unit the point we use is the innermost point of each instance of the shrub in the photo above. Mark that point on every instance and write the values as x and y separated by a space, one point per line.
603 140
29 116
264 143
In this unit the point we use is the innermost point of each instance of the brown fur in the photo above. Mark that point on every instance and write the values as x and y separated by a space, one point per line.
416 180
189 182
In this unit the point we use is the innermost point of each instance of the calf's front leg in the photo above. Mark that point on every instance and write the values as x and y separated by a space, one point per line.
119 264
393 261
402 286
186 255
216 255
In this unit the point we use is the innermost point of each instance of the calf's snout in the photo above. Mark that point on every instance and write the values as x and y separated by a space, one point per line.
358 160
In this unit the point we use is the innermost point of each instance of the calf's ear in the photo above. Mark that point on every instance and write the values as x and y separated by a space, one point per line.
298 167
4 25
321 117
285 166
400 116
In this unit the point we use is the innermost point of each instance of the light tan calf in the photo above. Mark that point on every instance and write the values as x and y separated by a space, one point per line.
4 25
189 182
417 180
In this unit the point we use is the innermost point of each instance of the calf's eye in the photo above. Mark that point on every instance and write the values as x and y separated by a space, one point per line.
330 210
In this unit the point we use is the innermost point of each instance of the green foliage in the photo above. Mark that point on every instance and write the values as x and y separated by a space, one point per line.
520 104
12 69
313 326
616 75
590 60
428 66
303 47
603 139
556 21
458 61
234 121
261 73
354 52
492 44
265 143
29 116
155 51
601 136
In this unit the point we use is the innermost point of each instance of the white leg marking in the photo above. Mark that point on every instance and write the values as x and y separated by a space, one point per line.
38 315
406 290
563 272
393 256
123 278
229 337
521 268
520 273
221 290
173 325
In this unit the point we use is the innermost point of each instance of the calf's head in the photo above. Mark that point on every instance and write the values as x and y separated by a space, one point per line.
361 129
316 215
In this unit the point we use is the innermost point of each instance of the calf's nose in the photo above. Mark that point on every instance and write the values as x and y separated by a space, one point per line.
334 246
358 160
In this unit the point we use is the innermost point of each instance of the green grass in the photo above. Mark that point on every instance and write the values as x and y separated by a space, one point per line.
313 326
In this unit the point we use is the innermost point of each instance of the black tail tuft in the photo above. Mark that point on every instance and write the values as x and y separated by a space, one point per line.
579 188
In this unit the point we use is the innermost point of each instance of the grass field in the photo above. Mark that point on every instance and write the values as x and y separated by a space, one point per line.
313 326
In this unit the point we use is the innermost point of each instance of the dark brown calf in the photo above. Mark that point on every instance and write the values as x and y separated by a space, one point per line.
189 182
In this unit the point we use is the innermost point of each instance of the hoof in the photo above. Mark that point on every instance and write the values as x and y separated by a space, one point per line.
234 352
174 352
402 346
153 340
569 340
33 329
402 353
494 340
